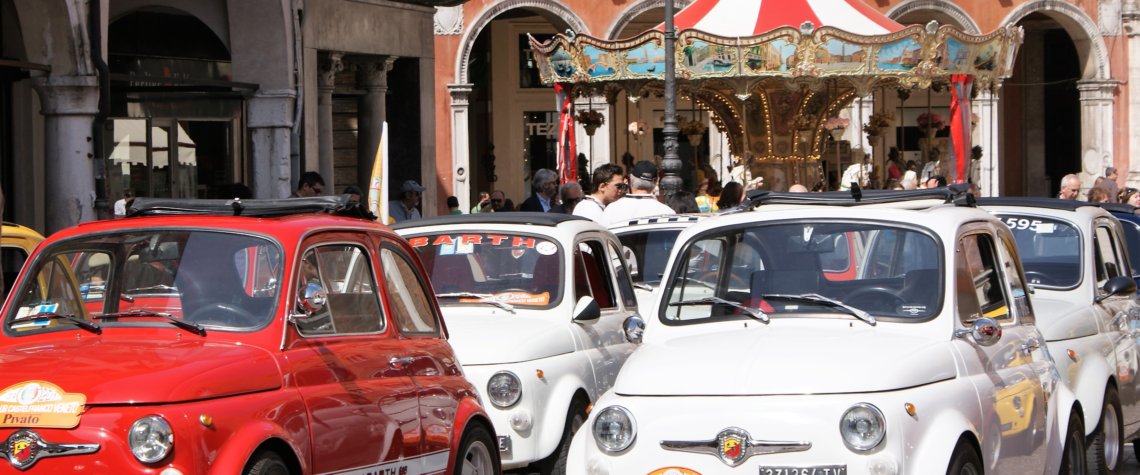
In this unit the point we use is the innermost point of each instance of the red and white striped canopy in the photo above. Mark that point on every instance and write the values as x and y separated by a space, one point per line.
733 18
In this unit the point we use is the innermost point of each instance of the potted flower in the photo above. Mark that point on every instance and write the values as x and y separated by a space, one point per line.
591 120
930 123
636 129
876 123
694 129
836 125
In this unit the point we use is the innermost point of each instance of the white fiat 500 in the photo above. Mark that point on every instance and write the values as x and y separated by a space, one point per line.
536 305
646 243
1076 260
795 339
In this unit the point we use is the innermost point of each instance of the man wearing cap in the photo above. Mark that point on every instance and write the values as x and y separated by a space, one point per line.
640 202
405 209
1109 184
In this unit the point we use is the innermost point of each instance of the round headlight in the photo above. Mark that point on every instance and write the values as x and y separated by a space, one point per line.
862 427
504 389
614 429
151 439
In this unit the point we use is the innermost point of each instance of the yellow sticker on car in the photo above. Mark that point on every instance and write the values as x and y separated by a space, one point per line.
40 404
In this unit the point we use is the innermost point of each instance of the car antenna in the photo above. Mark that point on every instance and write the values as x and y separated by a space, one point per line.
238 207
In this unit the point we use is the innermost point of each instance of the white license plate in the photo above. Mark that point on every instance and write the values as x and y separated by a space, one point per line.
812 470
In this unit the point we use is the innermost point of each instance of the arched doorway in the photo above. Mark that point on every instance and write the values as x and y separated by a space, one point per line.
175 124
511 124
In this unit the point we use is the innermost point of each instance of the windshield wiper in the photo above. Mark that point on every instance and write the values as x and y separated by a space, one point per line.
483 298
752 312
79 322
819 299
151 288
178 322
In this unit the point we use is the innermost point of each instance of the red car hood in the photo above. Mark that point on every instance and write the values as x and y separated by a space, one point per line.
140 371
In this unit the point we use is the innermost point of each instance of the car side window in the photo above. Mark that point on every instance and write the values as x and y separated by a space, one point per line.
1131 240
624 285
1022 308
344 273
980 289
592 274
1109 262
411 307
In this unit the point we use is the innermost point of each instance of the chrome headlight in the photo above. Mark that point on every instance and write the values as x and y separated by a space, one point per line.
504 389
862 427
151 439
614 429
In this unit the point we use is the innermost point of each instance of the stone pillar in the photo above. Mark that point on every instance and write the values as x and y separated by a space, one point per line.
270 125
1131 19
433 200
601 150
372 76
69 105
1033 131
987 136
1096 128
461 143
329 64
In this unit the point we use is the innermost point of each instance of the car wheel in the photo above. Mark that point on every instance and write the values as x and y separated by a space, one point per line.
555 464
1073 460
1106 450
965 461
266 462
477 453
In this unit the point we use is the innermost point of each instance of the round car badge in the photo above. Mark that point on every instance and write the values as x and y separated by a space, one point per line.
546 248
23 448
732 446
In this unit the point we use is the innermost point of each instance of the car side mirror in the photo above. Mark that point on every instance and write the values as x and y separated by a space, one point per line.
312 299
634 328
1119 285
587 309
985 331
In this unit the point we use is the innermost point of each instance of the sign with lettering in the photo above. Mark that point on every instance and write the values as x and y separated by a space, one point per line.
40 404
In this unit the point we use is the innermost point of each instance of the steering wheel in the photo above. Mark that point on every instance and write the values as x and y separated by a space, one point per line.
1038 278
878 299
223 315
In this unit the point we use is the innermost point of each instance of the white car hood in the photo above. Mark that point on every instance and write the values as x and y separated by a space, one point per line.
773 361
483 336
1061 319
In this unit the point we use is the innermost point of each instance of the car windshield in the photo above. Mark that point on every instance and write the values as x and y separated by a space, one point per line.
519 270
215 280
1050 249
841 269
647 252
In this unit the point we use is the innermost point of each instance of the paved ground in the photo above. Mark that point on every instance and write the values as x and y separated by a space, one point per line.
1131 467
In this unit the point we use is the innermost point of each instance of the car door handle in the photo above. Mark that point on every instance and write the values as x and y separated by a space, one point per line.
401 362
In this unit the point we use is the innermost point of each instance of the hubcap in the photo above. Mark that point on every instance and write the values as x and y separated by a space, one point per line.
1112 442
477 460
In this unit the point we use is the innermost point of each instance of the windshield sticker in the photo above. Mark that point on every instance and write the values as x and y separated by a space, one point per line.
514 298
546 248
40 404
914 309
1035 225
472 240
807 233
31 311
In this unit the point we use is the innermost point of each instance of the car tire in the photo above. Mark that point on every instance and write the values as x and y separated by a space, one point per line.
965 461
576 416
1106 448
266 462
1074 454
478 453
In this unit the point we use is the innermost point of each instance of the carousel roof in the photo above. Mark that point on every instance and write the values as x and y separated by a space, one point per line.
733 18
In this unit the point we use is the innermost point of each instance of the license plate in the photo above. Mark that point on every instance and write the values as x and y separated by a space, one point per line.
811 470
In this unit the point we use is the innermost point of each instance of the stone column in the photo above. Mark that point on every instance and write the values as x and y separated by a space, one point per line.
372 76
461 143
69 105
987 136
1131 17
1096 128
270 125
329 64
601 152
1032 54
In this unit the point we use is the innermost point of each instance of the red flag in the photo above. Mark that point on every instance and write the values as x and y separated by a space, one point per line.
567 153
960 122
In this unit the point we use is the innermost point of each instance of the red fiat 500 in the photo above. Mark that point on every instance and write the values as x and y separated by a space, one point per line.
286 340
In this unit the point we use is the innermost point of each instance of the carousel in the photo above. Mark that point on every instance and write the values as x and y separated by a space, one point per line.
776 73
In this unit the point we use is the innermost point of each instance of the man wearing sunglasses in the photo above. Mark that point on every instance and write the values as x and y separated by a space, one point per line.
641 201
607 180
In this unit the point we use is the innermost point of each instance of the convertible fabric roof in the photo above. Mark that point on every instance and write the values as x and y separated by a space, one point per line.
752 17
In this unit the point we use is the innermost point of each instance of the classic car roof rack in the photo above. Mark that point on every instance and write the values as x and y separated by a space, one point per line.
512 217
957 194
334 205
1038 202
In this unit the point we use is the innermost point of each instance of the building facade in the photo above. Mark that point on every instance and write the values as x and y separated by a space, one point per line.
1066 109
207 99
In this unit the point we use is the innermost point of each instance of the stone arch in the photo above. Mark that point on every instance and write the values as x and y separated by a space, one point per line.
55 32
949 9
554 11
1086 36
635 10
212 13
